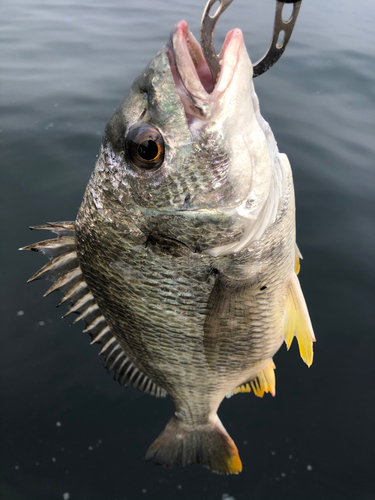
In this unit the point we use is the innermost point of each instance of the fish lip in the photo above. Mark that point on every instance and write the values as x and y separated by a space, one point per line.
191 73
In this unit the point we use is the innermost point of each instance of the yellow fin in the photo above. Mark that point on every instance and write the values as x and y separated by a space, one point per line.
263 382
298 256
234 466
243 388
230 464
297 322
269 374
297 265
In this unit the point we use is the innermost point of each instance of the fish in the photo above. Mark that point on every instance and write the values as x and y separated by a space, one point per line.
183 260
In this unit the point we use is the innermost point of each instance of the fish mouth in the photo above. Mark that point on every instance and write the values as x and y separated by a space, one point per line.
192 75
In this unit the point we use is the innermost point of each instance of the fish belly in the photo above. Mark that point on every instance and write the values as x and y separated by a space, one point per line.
157 300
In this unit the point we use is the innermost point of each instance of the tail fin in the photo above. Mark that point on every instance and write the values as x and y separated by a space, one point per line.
209 445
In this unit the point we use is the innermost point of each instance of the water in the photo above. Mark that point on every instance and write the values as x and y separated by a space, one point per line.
68 430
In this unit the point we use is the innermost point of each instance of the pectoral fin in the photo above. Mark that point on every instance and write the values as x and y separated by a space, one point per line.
228 307
297 321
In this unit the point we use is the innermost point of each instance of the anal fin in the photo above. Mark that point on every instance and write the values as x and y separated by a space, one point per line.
297 321
264 382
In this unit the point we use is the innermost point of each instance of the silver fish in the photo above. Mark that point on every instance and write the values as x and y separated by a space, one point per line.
183 260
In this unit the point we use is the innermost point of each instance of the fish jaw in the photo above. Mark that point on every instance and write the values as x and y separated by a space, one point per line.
198 92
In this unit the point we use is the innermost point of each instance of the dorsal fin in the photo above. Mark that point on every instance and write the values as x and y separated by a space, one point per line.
297 321
64 270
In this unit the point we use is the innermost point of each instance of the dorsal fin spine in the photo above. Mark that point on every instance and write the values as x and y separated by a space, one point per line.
115 360
65 280
77 289
86 300
63 268
96 322
105 347
86 313
100 335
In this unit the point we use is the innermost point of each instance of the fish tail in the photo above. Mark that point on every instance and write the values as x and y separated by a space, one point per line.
209 445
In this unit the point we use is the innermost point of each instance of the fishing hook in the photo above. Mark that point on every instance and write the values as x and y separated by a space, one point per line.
275 50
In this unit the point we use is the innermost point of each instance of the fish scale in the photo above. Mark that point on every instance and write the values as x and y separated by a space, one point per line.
144 297
182 260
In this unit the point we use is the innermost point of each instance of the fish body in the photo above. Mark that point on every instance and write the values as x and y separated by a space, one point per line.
183 259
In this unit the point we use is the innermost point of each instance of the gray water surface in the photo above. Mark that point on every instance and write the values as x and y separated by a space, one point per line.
66 427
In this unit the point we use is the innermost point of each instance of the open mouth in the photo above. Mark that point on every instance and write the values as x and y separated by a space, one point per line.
191 73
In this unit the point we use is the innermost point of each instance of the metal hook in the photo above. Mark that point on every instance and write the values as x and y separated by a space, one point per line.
208 25
275 50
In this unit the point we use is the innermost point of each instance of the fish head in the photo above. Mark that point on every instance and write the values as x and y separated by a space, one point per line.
183 152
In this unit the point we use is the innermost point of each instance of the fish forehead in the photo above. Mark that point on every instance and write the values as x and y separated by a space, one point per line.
153 99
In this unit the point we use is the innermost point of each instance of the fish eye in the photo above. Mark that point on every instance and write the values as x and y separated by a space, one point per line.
145 147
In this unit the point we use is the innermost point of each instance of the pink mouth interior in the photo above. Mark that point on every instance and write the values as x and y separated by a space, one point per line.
200 64
192 54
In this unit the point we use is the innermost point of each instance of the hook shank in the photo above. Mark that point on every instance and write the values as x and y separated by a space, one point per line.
275 50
